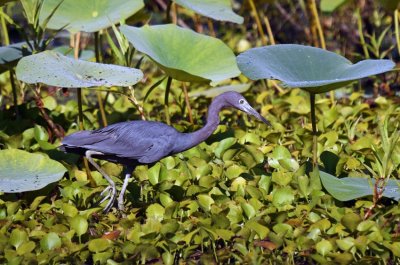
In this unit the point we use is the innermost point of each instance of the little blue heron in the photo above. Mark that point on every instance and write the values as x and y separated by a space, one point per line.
139 142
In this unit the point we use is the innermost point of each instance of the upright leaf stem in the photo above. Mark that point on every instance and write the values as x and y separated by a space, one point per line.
314 129
189 108
396 27
167 89
6 39
99 98
15 95
75 41
258 21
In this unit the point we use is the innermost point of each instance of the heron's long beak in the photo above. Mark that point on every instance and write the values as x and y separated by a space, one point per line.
249 110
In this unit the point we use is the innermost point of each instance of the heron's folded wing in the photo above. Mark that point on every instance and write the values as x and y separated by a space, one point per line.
146 142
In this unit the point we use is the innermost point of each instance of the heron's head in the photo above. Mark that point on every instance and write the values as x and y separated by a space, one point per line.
236 100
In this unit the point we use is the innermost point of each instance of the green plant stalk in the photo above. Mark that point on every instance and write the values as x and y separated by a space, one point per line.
258 21
80 110
360 32
99 98
317 21
167 89
168 17
134 101
14 91
314 129
396 28
269 30
75 41
6 38
46 117
6 42
318 26
188 103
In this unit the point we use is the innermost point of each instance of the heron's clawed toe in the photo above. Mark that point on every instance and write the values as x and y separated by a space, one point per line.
110 194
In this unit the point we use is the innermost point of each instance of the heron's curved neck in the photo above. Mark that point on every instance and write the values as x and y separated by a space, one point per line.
192 139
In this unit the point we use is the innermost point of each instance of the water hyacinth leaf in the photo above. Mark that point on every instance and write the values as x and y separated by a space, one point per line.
215 9
215 91
248 210
282 196
99 244
22 171
224 145
55 69
281 157
50 241
345 244
205 202
346 189
9 55
26 247
88 15
261 230
324 247
191 57
155 211
79 224
18 237
312 69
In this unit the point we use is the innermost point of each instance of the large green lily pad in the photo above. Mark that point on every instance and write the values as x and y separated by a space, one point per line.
23 171
215 91
88 15
215 9
3 2
312 69
184 54
346 189
54 69
9 55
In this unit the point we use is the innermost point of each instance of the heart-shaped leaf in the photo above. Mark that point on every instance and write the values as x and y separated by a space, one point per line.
215 9
22 171
184 54
346 189
312 69
52 68
87 15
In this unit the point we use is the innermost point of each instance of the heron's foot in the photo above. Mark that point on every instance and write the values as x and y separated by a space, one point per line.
110 194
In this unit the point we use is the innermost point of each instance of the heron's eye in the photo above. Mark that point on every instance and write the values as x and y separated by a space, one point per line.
241 101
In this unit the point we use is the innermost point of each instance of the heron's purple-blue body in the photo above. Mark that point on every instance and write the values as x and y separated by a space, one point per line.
145 142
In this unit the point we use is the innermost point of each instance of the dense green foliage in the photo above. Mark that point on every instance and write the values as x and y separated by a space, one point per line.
249 194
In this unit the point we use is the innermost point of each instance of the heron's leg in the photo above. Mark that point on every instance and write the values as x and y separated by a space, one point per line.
113 193
128 173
